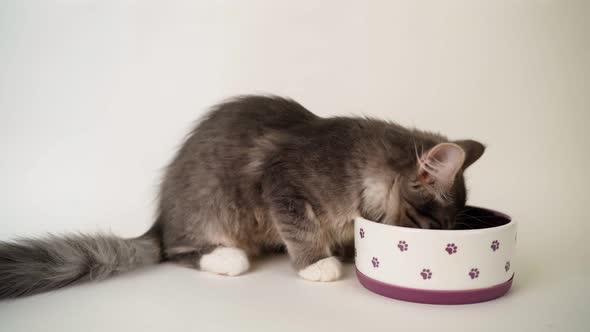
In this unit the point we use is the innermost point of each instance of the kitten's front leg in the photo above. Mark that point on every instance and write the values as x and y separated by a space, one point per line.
345 252
327 269
303 236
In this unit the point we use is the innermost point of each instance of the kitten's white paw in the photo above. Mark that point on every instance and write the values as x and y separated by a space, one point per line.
327 269
225 260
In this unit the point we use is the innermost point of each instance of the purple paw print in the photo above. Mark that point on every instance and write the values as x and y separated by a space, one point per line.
451 248
375 262
362 233
474 273
507 266
495 245
402 245
426 274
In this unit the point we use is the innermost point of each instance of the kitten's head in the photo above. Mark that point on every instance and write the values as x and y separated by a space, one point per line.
431 195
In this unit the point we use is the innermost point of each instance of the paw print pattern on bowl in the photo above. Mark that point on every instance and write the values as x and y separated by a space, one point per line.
451 248
426 274
375 262
495 245
402 245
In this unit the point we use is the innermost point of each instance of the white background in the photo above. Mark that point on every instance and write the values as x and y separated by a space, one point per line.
96 95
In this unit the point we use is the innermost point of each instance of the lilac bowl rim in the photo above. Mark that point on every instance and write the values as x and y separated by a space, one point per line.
510 223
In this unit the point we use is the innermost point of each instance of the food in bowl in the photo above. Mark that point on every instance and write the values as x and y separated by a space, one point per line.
467 265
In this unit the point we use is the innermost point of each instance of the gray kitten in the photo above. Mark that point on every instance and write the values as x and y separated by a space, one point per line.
263 174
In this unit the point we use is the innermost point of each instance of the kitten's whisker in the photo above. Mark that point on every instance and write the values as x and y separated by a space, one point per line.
469 226
436 163
464 213
416 149
485 216
481 221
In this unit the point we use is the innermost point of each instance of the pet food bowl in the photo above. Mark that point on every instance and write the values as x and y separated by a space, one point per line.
437 266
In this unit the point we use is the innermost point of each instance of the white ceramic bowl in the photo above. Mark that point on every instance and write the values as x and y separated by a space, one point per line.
437 266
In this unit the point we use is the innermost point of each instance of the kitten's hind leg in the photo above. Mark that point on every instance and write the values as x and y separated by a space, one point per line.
228 261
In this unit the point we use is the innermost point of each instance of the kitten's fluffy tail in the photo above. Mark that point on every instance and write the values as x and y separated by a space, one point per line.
36 265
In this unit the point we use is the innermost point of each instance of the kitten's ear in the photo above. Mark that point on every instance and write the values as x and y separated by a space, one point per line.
473 151
439 166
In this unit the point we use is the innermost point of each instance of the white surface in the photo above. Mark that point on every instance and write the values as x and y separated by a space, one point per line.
425 250
95 96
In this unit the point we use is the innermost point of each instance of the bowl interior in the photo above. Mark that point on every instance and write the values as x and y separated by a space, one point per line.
473 217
